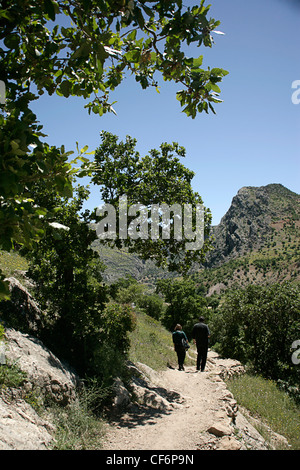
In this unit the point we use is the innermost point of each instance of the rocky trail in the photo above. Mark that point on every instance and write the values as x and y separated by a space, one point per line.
183 410
166 410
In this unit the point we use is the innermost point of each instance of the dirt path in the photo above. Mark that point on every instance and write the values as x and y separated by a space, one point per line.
180 410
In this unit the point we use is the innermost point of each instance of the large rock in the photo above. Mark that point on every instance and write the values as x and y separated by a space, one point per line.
142 390
21 428
21 311
44 370
220 429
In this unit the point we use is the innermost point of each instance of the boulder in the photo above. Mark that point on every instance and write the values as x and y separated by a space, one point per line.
21 428
45 372
121 395
229 443
220 429
21 311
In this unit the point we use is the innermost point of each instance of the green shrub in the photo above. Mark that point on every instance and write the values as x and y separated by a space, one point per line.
2 331
153 305
259 325
185 304
78 427
11 376
111 352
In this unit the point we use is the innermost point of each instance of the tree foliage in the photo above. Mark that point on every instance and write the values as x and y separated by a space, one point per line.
259 325
80 323
67 282
84 48
155 179
184 303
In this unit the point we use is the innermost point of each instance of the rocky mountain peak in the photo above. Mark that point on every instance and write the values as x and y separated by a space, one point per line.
249 220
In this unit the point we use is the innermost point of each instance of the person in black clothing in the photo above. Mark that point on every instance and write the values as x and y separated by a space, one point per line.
177 337
200 336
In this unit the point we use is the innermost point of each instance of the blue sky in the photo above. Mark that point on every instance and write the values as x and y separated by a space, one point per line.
253 140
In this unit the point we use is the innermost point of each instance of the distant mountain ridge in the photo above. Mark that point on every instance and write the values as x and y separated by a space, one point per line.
251 219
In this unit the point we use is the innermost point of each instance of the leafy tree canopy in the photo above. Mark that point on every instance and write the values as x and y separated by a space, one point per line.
185 304
84 48
153 180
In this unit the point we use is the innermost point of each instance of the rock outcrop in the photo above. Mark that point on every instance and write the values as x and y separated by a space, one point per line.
21 428
21 309
248 221
44 371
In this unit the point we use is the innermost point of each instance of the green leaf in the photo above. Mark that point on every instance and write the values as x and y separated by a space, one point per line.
12 41
139 17
197 62
214 87
148 11
84 149
50 9
65 88
4 289
83 51
211 108
219 72
7 15
131 36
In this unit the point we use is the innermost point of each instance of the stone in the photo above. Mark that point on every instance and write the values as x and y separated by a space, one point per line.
251 438
21 310
44 370
22 429
146 396
228 443
122 396
220 429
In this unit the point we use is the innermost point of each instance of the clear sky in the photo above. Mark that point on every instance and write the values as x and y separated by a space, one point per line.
253 140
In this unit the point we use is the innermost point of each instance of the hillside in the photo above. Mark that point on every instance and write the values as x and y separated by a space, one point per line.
121 263
257 240
257 217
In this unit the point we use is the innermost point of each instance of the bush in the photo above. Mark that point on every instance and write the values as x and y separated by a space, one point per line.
153 305
110 354
185 305
78 426
11 376
2 331
259 325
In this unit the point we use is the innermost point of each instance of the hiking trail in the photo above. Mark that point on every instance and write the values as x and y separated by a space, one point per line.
182 410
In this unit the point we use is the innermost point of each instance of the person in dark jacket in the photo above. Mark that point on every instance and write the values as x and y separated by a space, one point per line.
177 337
200 335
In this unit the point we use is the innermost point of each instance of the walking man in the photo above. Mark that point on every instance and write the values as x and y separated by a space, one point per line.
200 336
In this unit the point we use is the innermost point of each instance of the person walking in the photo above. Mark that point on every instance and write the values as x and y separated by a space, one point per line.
200 335
178 335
